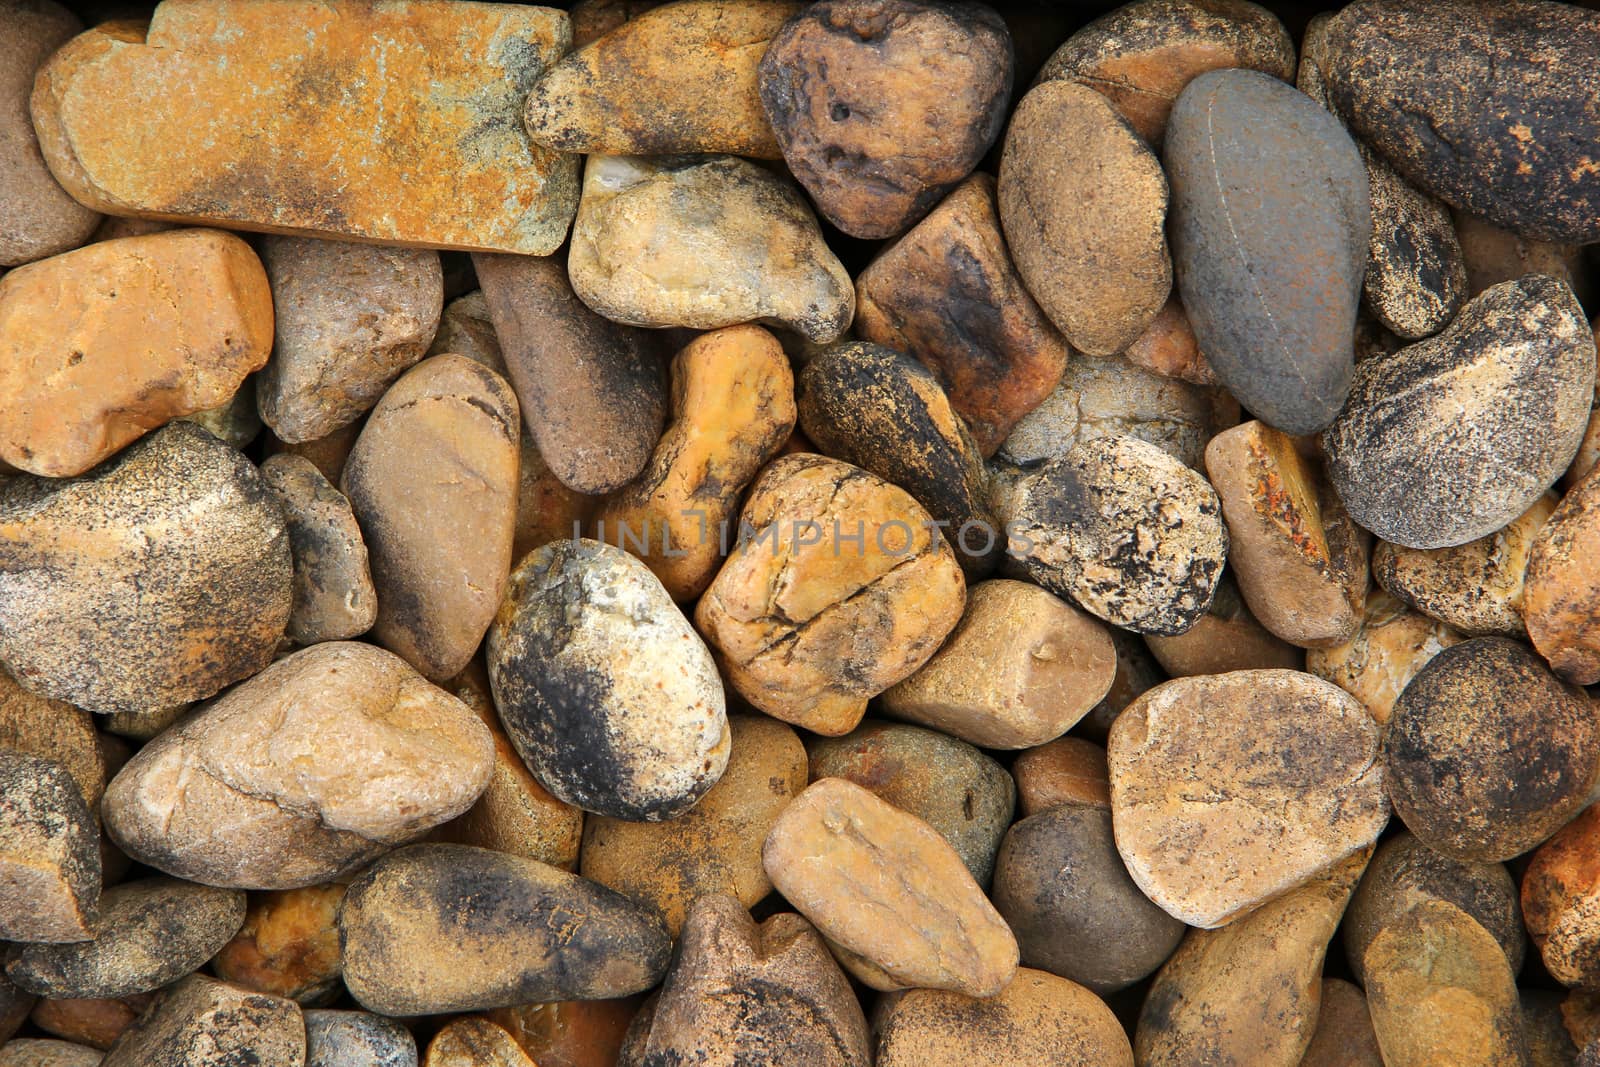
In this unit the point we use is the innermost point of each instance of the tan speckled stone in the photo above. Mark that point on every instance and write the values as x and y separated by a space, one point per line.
50 872
333 595
1068 770
52 729
1561 592
204 1023
288 946
1379 661
472 1041
45 1052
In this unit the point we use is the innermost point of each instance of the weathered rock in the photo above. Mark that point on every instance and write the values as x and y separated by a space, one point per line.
142 725
97 1023
34 1052
350 319
677 78
314 767
1561 596
32 725
398 124
1450 439
357 1039
569 1033
204 1023
49 853
742 993
101 345
929 926
590 390
1344 1035
1124 529
714 847
1068 770
472 1041
1581 1013
948 294
1488 753
445 928
881 106
1226 638
1142 54
440 546
1437 986
333 595
1559 892
1492 123
593 19
604 688
1038 1018
1229 790
704 242
1382 657
1021 668
838 592
733 408
1084 205
1270 228
1169 348
288 945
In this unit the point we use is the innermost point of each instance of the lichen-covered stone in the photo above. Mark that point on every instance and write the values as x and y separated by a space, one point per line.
1560 891
399 123
1380 659
704 242
1068 770
1488 753
43 1052
445 928
1229 790
349 319
1226 638
49 853
101 345
1450 439
357 1039
32 725
204 1023
314 767
881 106
473 1041
288 945
1561 592
333 594
1344 1035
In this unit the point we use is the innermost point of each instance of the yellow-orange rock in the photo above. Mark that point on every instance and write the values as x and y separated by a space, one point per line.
397 122
569 1033
1561 901
473 1041
1561 592
100 345
288 946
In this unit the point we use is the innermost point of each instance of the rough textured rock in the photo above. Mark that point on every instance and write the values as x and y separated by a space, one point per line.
1062 888
288 945
472 1041
446 928
677 78
439 546
593 19
49 853
1560 891
590 390
714 847
34 1052
964 795
349 319
1021 668
1084 203
733 408
740 993
1229 790
1124 529
101 345
1488 753
1438 984
881 106
1142 54
1169 348
704 242
1450 439
1380 659
32 725
1226 638
604 688
1494 122
214 113
314 767
1068 770
1561 595
1038 1018
357 1039
947 294
1344 1035
203 1023
929 926
333 594
1270 228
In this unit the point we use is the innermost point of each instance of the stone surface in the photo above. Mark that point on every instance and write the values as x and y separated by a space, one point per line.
472 1041
1125 530
732 409
1450 439
714 847
445 928
677 78
947 294
604 688
704 242
1494 255
214 113
569 1033
1270 228
288 945
1488 753
235 422
1068 770
357 1039
1561 594
327 453
203 1023
101 345
35 1052
881 106
96 1023
49 853
32 725
741 993
349 320
1380 659
1084 203
929 925
1493 122
593 19
311 769
1021 668
591 390
838 592
1169 348
1226 638
1344 1035
1549 1044
1560 891
440 547
1229 790
333 594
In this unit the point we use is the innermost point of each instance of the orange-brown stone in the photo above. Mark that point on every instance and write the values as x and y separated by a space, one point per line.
1561 593
288 946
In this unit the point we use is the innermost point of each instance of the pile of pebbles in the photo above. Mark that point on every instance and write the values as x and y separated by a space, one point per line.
746 532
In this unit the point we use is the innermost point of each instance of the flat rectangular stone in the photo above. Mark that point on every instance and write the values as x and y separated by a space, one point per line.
397 121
